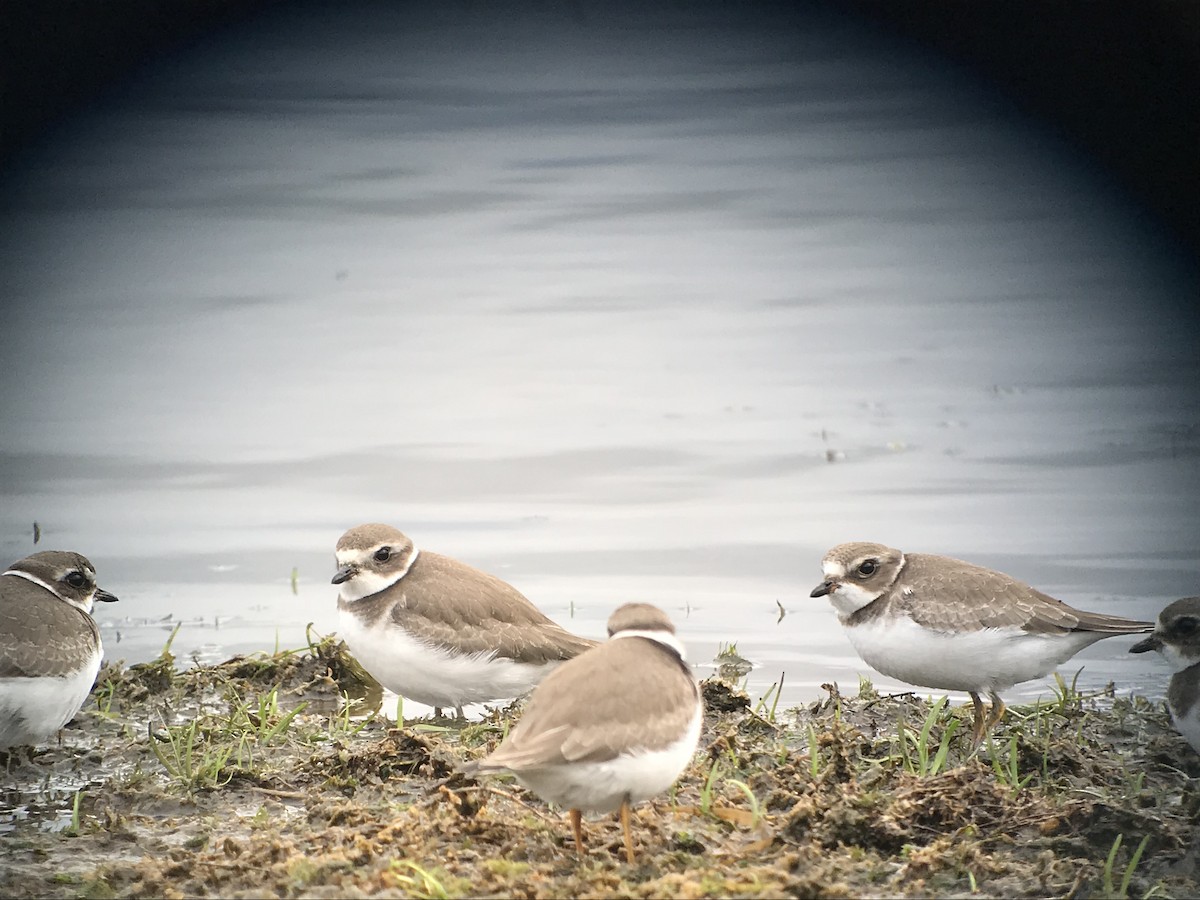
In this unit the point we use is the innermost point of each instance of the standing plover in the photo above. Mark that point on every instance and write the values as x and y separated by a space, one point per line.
1177 638
612 727
50 647
942 623
436 630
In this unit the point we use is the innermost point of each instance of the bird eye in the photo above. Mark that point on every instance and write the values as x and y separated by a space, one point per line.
867 567
383 554
75 580
1187 624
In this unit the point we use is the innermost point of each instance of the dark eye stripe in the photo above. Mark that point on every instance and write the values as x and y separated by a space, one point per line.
1186 624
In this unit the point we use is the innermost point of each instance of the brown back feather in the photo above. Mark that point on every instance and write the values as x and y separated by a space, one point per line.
461 606
580 712
58 634
970 597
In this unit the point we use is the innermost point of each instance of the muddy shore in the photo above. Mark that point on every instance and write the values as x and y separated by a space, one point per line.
255 778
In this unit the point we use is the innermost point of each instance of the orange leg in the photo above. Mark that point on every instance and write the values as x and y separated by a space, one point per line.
984 724
577 827
981 727
997 712
628 833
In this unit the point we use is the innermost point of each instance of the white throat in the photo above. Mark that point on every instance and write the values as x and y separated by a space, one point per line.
85 605
367 583
663 637
849 598
1176 657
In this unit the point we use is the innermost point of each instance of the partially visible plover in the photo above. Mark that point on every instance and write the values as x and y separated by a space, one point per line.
1177 638
50 647
612 727
437 631
942 623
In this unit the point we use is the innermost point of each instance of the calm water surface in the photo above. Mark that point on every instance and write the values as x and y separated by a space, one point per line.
637 306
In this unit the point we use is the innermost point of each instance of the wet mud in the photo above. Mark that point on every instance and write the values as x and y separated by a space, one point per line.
260 778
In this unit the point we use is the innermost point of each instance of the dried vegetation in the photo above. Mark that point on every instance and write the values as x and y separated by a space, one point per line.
256 778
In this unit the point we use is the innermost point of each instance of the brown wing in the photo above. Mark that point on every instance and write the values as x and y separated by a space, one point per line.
943 593
43 636
476 612
581 711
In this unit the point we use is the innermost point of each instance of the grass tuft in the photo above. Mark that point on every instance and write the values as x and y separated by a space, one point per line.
756 813
421 883
922 756
1121 890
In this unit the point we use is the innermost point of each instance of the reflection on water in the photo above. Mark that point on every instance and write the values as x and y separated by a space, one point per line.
634 306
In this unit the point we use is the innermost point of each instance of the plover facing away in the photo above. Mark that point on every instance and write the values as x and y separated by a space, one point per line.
613 727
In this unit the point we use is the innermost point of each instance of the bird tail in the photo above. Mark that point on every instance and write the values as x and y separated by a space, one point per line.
1090 621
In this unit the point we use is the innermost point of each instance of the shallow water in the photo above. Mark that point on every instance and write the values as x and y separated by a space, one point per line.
654 306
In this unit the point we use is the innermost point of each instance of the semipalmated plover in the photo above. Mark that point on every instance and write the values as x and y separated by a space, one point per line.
50 647
942 623
436 630
1177 638
612 727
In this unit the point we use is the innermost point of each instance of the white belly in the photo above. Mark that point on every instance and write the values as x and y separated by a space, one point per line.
991 659
34 709
601 786
431 676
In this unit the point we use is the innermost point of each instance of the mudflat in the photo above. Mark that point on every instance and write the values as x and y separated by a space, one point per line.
270 776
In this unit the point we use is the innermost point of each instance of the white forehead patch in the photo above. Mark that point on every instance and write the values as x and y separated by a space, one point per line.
350 554
833 569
